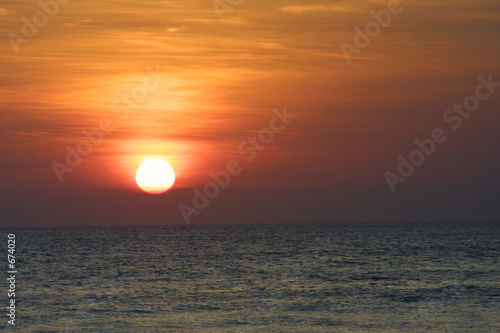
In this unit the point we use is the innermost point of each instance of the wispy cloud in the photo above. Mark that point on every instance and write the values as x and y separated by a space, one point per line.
6 12
339 8
175 29
270 46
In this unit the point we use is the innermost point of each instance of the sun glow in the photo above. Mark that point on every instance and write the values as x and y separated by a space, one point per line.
155 176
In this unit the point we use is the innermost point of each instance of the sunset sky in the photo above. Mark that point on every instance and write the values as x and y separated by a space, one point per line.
216 81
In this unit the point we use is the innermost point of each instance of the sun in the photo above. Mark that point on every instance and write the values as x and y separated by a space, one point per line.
155 176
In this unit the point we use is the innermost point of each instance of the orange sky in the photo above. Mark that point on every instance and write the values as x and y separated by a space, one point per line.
221 79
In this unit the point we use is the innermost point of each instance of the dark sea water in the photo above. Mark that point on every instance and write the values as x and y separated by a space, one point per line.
259 278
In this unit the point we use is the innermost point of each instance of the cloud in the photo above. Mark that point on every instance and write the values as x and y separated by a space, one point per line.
270 46
216 20
175 29
317 8
86 22
6 12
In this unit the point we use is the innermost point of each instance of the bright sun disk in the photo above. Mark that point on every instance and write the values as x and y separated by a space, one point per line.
155 176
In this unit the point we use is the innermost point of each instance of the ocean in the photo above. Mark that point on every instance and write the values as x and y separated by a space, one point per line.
413 277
